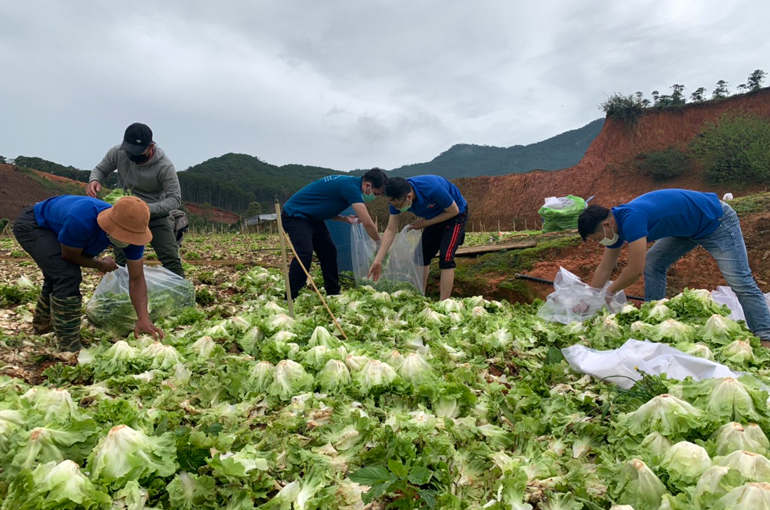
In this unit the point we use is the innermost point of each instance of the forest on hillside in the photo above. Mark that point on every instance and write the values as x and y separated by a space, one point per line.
233 181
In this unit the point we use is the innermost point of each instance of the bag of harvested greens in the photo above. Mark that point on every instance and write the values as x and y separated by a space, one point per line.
110 307
402 268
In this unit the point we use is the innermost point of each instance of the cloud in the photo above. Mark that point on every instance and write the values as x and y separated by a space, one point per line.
346 84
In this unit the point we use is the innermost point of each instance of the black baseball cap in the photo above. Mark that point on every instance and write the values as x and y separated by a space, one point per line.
137 138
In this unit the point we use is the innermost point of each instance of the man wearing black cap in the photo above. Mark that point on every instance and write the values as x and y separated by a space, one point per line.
145 171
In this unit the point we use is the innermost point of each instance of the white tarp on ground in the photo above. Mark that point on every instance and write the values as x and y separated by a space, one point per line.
622 366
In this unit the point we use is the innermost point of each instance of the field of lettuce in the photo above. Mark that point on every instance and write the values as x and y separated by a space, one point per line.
463 404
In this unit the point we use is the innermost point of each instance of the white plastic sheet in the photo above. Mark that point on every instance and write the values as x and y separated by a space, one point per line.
725 296
727 196
557 202
573 300
619 366
402 264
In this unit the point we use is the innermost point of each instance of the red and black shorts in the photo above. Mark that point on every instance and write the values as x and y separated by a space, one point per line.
444 238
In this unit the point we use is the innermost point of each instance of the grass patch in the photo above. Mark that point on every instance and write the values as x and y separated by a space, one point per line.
60 188
759 202
475 274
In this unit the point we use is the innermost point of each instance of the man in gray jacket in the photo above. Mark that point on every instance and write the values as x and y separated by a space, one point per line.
145 171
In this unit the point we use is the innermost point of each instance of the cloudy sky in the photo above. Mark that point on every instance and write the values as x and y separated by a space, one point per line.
347 83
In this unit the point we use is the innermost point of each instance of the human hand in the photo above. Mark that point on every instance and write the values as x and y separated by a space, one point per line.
107 265
350 219
418 225
375 271
580 308
145 325
93 188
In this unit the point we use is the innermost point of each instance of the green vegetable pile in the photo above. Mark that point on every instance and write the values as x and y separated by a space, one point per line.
114 195
462 404
389 285
114 312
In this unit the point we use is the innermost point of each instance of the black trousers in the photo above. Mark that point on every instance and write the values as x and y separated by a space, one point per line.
310 236
61 278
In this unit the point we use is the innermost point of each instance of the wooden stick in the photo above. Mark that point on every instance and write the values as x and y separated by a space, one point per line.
283 253
315 288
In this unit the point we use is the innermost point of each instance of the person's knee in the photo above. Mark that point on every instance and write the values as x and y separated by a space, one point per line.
743 286
63 289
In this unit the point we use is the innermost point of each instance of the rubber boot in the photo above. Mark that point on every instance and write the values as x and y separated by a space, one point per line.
41 321
66 315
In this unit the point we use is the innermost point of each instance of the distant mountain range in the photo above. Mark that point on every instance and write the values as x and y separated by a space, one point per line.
466 160
233 181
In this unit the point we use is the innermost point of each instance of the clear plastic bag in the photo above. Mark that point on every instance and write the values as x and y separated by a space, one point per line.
573 300
403 265
110 307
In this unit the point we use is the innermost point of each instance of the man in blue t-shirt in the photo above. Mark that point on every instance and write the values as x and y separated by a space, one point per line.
304 215
677 220
444 213
66 233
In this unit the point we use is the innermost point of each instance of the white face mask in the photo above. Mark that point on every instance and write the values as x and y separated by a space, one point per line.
116 243
607 241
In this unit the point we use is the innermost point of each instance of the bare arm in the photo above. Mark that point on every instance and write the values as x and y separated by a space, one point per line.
366 221
637 256
137 290
448 213
387 239
604 269
75 256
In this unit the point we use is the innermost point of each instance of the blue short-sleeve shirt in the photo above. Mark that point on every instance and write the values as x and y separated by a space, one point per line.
325 198
73 219
433 194
667 213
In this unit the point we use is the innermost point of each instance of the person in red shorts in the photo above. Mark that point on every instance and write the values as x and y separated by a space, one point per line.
444 214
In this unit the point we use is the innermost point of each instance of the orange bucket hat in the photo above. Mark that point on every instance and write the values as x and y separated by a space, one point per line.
127 221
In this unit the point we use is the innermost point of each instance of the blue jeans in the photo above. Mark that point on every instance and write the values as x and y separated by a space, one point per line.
726 245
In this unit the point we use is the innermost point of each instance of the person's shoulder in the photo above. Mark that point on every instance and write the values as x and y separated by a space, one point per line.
113 152
163 160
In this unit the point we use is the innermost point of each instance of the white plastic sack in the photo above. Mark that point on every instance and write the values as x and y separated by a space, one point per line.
573 300
403 263
557 202
619 366
110 307
727 196
725 296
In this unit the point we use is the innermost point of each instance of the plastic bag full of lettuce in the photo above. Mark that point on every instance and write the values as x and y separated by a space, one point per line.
460 404
110 307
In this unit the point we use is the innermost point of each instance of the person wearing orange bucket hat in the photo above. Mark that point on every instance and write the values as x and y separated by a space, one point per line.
66 233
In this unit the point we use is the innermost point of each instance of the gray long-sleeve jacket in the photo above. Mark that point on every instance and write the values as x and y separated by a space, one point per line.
154 182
